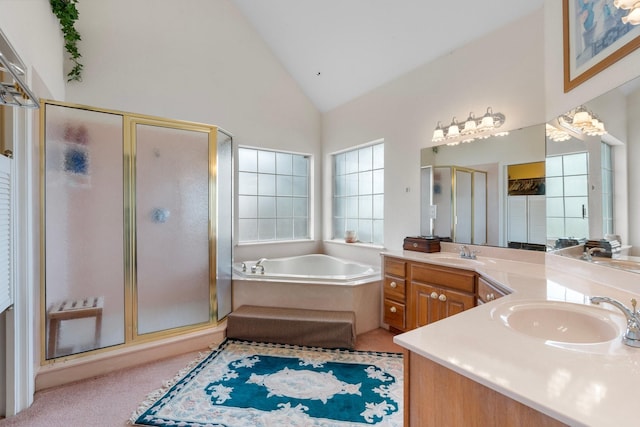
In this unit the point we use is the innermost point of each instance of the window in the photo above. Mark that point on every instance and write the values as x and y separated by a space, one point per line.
273 195
358 193
607 188
567 192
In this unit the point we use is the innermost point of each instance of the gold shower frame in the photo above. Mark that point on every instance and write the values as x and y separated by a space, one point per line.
129 121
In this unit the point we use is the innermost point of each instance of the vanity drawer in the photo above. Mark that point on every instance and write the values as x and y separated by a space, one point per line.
459 279
395 267
394 288
394 314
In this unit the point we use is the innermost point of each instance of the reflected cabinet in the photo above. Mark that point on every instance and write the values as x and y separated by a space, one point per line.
131 245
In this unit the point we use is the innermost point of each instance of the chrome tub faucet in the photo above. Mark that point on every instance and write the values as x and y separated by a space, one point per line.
632 335
258 265
467 253
589 253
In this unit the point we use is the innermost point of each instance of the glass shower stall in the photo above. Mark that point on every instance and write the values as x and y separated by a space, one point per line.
136 226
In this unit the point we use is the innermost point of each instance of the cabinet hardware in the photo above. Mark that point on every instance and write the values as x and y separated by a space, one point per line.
393 284
393 309
442 297
434 295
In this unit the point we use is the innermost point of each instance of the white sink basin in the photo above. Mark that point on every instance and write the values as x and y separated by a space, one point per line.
562 322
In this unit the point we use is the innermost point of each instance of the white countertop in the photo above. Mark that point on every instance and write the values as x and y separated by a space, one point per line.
589 384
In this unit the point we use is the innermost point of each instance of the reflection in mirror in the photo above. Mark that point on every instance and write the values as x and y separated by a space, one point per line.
588 198
492 157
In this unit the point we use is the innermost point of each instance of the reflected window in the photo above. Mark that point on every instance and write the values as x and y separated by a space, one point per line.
273 195
567 192
358 194
607 188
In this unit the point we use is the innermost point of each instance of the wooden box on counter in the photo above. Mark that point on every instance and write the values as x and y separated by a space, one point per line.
422 244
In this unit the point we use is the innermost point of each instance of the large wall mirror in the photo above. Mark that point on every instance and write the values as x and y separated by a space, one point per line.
583 194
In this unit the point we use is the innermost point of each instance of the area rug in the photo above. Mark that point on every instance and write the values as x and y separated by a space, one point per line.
245 384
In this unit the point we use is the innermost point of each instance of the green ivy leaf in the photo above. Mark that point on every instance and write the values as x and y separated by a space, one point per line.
67 14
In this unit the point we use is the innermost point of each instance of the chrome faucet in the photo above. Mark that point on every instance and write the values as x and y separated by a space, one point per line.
632 335
258 265
465 252
589 253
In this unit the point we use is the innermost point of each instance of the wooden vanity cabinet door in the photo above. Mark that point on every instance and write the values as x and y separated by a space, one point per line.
438 292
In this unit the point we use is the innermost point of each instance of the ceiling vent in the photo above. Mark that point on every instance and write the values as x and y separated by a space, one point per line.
13 89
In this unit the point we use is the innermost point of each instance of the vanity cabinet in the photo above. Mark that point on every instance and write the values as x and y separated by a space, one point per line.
489 291
416 294
438 292
394 293
438 396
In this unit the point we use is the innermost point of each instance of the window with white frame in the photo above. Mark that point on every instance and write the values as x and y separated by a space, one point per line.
607 188
358 193
273 195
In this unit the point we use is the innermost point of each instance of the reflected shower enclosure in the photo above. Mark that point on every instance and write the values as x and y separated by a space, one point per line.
130 247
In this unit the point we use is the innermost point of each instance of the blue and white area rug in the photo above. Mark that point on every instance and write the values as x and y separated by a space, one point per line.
243 384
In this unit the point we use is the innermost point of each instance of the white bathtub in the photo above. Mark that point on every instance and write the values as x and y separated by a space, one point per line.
316 281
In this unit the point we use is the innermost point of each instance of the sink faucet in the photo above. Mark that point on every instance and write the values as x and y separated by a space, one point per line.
258 265
465 252
589 253
632 335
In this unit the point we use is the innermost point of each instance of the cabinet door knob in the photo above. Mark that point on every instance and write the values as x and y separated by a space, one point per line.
442 297
393 285
415 245
491 297
393 309
434 295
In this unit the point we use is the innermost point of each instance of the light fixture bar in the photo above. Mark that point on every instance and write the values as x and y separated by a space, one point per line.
472 128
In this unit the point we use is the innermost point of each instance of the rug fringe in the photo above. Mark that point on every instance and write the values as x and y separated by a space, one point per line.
152 397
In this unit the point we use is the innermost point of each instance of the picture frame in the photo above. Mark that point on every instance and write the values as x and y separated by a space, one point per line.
594 37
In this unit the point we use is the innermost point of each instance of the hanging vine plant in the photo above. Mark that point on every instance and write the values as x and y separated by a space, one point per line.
67 14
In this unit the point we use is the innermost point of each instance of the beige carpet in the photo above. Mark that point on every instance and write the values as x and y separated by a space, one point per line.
108 401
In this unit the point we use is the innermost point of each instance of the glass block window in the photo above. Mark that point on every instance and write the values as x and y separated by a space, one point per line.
607 188
567 193
273 195
358 193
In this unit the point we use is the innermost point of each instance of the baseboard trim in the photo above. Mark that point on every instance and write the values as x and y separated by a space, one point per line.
69 371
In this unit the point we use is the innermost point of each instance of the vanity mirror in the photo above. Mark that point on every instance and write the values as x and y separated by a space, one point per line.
586 195
489 161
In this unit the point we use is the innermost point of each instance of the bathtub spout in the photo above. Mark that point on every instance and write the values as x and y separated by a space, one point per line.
258 265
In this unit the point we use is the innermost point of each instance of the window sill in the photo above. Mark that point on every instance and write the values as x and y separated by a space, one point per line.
355 244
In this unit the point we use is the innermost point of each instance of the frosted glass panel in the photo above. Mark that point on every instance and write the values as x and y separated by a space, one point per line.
172 228
267 229
84 225
378 181
248 206
576 207
365 182
284 207
300 207
351 162
267 185
266 162
247 183
576 185
555 206
300 186
554 187
284 228
247 160
300 166
366 207
575 164
284 185
284 163
553 166
365 159
352 184
266 207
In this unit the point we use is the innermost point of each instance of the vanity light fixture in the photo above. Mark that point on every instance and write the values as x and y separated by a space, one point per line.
633 6
473 128
557 135
581 120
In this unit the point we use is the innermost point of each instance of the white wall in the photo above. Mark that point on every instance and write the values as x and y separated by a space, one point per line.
199 61
405 111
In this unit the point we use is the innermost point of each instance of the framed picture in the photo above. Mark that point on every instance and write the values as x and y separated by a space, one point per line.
594 38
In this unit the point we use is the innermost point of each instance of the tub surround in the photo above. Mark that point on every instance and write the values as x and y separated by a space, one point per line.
336 289
591 384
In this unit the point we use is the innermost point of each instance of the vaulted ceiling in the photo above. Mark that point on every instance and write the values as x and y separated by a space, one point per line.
338 50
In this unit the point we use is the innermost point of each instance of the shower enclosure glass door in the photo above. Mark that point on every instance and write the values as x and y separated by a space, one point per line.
130 244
